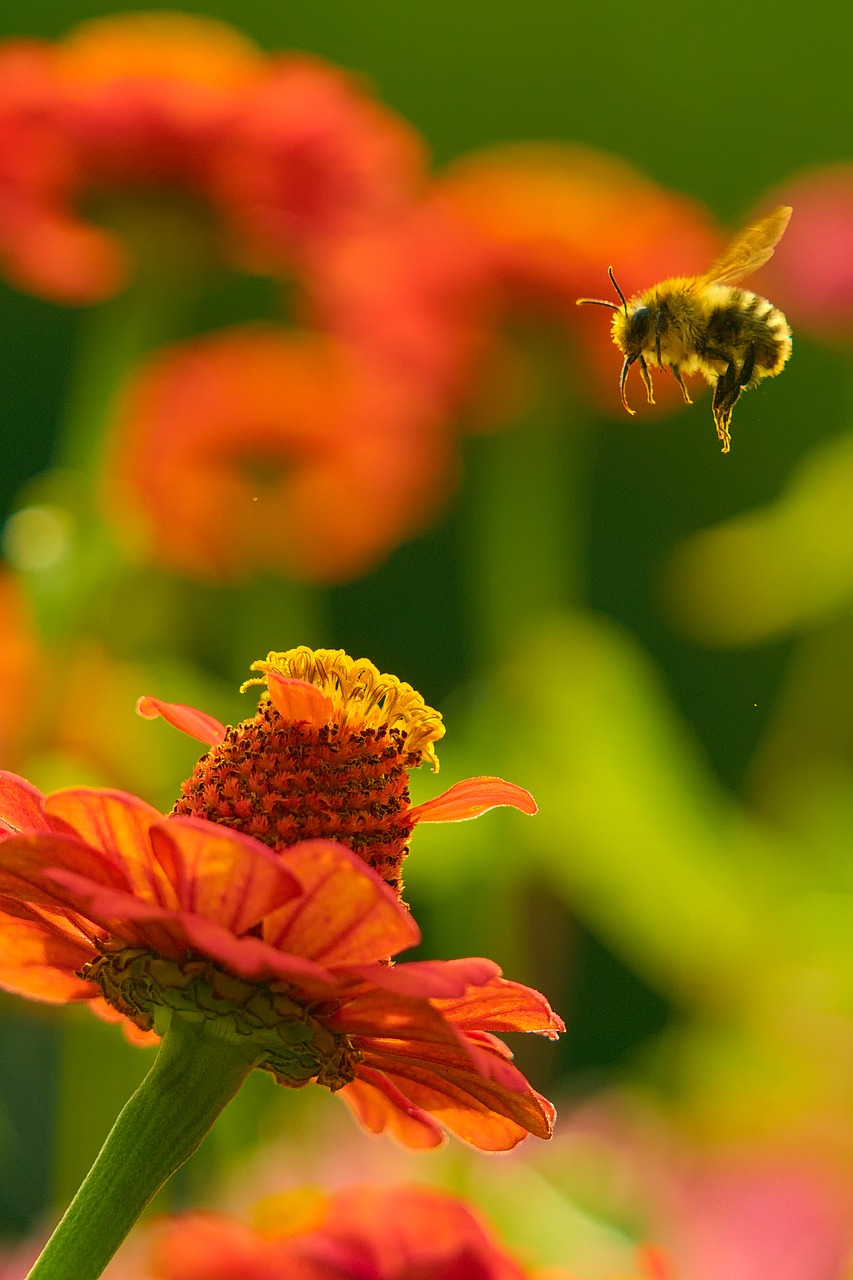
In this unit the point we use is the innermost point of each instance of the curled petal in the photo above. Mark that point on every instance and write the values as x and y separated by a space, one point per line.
478 1111
471 797
345 915
502 1005
220 874
21 805
197 724
298 700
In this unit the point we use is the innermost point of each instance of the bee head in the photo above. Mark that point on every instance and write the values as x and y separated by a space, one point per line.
633 330
629 327
631 334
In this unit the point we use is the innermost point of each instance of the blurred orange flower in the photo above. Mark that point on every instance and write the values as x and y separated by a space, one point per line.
288 940
554 216
262 449
366 1233
282 151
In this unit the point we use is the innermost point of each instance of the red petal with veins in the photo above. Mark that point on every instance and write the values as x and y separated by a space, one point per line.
470 798
430 978
120 824
502 1005
346 914
255 960
21 806
220 874
197 724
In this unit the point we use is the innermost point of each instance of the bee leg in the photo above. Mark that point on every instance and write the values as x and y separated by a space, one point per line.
622 380
647 380
747 368
676 373
726 395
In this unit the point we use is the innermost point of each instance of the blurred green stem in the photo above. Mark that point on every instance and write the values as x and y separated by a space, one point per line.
193 1078
524 520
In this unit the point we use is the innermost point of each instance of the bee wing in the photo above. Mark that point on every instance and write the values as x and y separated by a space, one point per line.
748 251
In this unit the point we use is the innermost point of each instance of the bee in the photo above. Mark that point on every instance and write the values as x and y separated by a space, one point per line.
703 324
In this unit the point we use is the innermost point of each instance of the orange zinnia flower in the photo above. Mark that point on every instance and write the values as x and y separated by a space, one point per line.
262 450
363 1233
554 216
225 911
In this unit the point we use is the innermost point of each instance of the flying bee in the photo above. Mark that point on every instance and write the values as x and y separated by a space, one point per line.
703 324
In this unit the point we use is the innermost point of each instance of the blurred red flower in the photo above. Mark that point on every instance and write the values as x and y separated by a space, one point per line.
287 940
282 151
365 1233
260 449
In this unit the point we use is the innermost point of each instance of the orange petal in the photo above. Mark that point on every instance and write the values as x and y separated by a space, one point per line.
123 915
256 960
478 1110
120 824
36 962
21 805
429 978
220 874
29 863
502 1005
299 700
197 724
470 798
378 1105
346 914
383 1014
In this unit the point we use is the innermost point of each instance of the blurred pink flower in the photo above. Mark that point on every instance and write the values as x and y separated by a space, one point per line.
811 275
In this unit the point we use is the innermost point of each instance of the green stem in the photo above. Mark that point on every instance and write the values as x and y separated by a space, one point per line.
193 1078
523 520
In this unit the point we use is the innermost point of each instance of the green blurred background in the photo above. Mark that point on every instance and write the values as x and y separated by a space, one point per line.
637 740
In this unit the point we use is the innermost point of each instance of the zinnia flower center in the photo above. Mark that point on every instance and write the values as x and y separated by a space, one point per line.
334 767
296 1048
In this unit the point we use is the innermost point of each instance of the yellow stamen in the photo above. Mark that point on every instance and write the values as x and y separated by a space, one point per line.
360 695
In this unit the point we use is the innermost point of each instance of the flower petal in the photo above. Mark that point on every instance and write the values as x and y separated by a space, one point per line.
429 978
38 962
299 700
220 874
346 914
120 824
21 805
480 1111
383 1014
256 960
379 1105
197 724
123 915
29 863
470 798
501 1005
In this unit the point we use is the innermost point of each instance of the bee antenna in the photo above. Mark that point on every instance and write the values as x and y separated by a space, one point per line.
618 290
